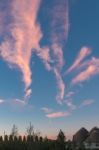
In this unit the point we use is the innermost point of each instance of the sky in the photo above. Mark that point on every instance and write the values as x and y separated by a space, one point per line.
49 65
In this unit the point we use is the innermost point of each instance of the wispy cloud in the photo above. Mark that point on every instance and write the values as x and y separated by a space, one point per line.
58 115
84 52
27 94
59 32
84 70
18 102
44 55
52 53
2 101
61 87
70 104
90 69
46 110
87 102
20 35
69 94
15 103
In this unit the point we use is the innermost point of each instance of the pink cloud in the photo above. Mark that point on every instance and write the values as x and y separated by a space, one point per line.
58 114
44 55
93 61
52 55
61 87
59 23
25 35
58 56
92 68
27 94
70 104
87 102
84 52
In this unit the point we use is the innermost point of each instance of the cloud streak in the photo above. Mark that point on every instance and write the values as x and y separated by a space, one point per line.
16 103
70 94
58 115
70 104
21 34
84 52
90 68
87 102
58 27
46 110
1 101
61 86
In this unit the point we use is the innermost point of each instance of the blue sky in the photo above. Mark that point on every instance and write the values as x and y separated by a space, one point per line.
49 62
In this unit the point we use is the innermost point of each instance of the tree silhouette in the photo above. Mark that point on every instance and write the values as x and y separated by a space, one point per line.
30 130
61 140
14 131
61 137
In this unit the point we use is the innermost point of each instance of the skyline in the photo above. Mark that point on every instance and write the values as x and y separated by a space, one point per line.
49 62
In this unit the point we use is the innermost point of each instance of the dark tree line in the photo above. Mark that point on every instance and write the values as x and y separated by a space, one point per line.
34 141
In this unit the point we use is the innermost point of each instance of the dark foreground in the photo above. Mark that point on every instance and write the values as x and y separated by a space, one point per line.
35 143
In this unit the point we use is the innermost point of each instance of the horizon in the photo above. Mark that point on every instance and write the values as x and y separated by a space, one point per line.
49 61
15 129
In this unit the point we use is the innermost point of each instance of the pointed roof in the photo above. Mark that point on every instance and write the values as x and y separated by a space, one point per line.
94 136
81 135
94 129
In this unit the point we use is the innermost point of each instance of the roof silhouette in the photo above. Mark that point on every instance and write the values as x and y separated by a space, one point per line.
94 136
81 135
